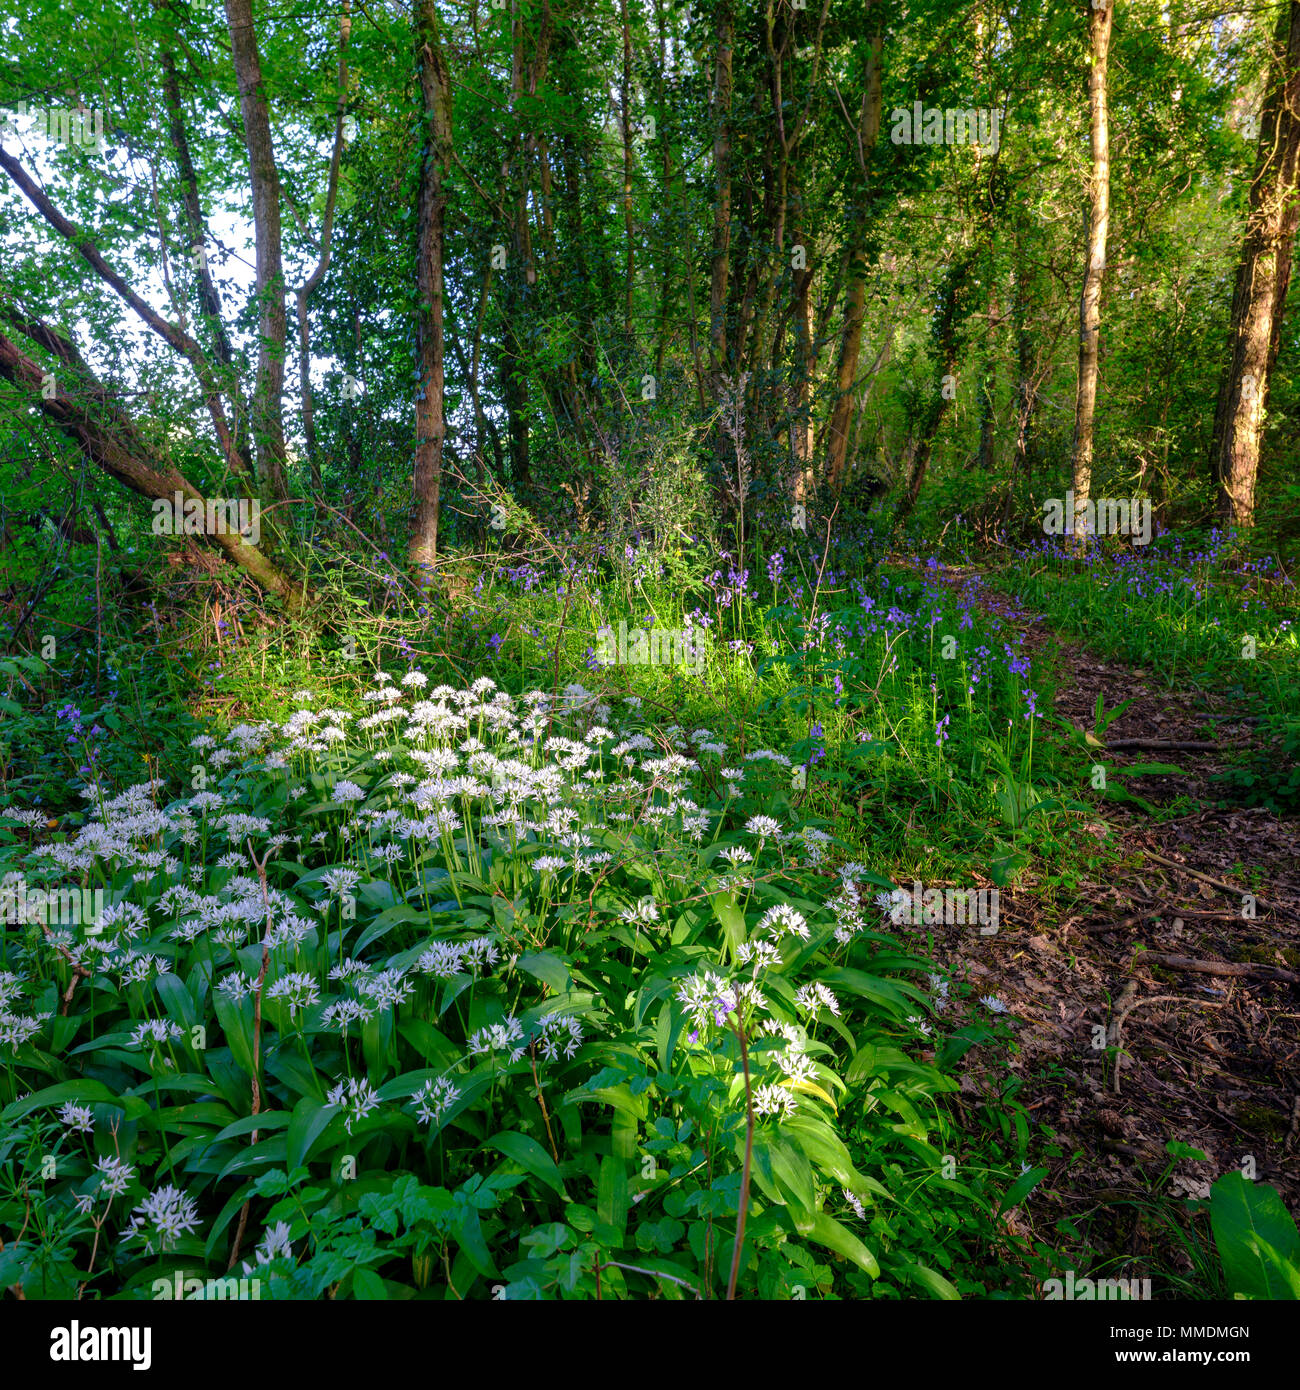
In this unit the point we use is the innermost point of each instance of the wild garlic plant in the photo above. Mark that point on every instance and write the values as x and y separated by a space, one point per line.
523 952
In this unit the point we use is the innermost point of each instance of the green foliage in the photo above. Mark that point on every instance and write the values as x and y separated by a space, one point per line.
1256 1239
499 1046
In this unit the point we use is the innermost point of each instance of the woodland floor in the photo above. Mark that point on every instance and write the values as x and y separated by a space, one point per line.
1210 1059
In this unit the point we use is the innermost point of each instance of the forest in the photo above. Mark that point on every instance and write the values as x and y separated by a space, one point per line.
649 652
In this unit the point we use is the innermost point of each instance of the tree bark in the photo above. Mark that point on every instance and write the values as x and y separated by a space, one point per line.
110 441
303 293
625 95
174 336
264 180
722 190
846 368
1085 406
1263 278
946 335
430 425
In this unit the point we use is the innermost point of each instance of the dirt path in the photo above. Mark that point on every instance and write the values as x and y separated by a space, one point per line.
1210 1059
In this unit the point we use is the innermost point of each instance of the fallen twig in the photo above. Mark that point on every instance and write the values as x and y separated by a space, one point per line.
1214 882
1239 969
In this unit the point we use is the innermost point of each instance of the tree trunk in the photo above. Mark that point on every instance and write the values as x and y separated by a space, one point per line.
947 324
722 190
846 369
304 291
1263 278
1085 405
430 426
110 441
625 97
170 333
264 180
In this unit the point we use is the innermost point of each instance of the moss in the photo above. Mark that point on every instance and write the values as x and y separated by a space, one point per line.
1259 1119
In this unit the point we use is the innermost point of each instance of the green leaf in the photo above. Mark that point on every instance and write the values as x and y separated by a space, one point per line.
367 1285
83 1092
531 1157
923 1275
732 920
1022 1187
548 968
830 1233
309 1122
612 1200
1256 1238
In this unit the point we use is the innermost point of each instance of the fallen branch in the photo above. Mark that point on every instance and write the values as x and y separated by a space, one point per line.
1127 1003
1237 969
1214 882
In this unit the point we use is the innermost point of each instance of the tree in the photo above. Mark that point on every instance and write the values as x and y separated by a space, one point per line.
1085 405
435 158
1263 278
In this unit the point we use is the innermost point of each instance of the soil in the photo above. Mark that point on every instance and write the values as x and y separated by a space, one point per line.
1208 1059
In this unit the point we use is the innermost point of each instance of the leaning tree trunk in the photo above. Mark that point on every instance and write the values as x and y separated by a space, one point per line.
430 425
1263 277
109 439
1085 405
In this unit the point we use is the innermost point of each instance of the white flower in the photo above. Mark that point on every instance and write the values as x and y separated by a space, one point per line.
644 910
813 997
298 990
763 826
499 1037
344 1013
162 1218
77 1118
434 1099
783 920
442 959
340 880
357 1097
763 953
156 1031
993 1004
480 953
773 1100
114 1176
559 1032
386 989
275 1243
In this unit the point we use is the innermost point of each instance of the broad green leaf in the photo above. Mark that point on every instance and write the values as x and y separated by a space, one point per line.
830 1233
1256 1238
530 1156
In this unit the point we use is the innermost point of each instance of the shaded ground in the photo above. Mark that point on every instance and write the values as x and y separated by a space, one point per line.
1208 1058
